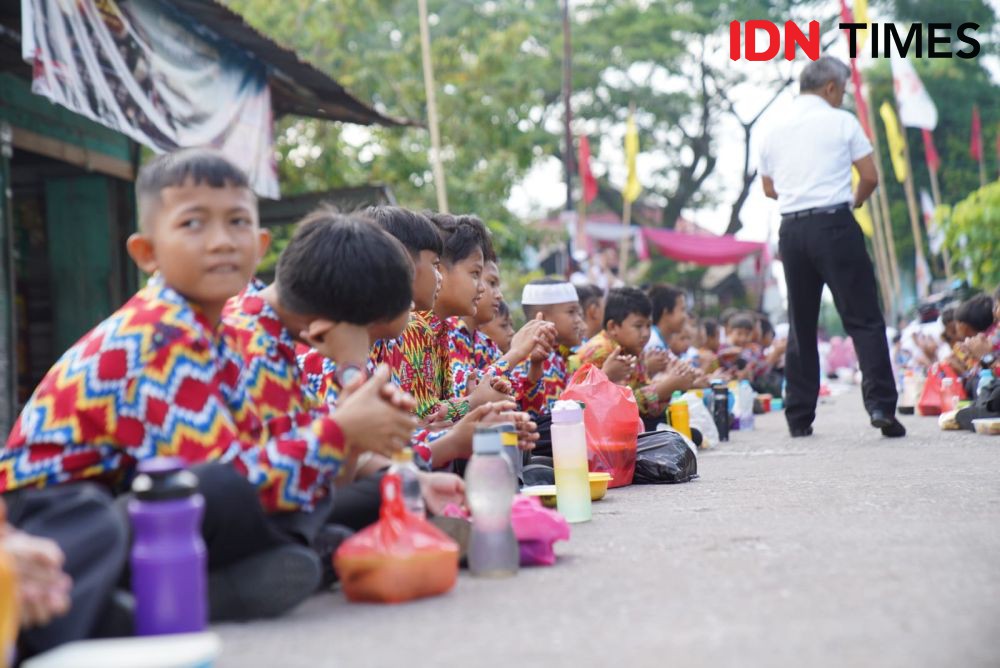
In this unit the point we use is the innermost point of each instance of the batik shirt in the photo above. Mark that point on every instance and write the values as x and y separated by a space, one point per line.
154 379
471 357
597 351
320 376
538 398
421 364
301 445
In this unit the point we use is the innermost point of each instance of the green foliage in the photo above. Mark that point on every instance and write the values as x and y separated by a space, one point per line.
972 230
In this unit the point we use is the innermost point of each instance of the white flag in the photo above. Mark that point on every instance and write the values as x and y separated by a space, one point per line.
923 276
934 233
916 108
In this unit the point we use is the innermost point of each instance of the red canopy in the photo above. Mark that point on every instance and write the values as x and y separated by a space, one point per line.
699 249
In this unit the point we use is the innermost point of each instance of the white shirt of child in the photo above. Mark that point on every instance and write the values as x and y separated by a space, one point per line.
809 155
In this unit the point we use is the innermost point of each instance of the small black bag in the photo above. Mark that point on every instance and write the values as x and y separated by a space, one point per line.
986 405
664 457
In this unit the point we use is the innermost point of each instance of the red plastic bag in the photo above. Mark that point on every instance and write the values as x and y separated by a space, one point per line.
930 398
611 420
399 558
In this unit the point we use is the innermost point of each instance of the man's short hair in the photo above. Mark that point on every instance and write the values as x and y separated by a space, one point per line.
413 229
976 312
462 235
664 299
821 71
197 165
326 270
588 294
622 302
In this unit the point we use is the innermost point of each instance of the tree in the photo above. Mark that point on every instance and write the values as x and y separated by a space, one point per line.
972 231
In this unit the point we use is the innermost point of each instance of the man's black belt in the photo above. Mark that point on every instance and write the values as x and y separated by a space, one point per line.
818 211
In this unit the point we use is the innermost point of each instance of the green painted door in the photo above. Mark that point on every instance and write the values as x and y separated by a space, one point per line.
80 215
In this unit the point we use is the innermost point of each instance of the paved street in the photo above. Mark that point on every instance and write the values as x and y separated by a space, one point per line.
844 549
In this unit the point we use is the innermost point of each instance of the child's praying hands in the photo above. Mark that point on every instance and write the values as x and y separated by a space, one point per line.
655 360
619 366
376 417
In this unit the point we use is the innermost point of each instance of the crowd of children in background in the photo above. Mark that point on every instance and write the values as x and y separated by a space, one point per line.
382 330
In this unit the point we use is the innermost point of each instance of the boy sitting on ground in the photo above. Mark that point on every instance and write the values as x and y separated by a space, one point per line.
500 330
156 378
618 347
591 300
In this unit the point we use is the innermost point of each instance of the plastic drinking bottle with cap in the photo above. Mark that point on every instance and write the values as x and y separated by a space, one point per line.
409 477
744 405
168 553
680 417
508 437
489 489
569 456
949 399
720 409
985 378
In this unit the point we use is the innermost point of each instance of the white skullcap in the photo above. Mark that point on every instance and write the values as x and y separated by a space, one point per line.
543 295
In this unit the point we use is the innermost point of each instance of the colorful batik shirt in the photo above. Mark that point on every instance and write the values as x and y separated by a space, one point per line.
300 443
596 352
466 365
537 398
421 364
151 380
320 374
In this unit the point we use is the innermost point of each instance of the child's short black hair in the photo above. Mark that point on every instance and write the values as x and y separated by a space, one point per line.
197 165
344 268
766 327
462 235
622 302
664 299
588 294
727 315
976 312
741 321
413 229
711 328
531 310
503 311
948 315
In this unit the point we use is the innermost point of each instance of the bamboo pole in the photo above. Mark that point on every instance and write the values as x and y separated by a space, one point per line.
911 204
432 116
936 195
882 200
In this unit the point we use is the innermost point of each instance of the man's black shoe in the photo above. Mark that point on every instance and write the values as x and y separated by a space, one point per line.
267 584
799 432
890 426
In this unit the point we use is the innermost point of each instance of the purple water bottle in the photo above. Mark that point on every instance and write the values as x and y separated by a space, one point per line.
168 554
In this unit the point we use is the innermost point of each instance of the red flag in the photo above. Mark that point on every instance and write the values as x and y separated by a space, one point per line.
847 16
586 176
933 159
976 140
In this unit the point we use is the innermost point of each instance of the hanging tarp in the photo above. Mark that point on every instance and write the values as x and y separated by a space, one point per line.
700 249
143 69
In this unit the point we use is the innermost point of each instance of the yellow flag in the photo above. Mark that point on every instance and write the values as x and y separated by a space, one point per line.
862 215
861 16
895 137
632 187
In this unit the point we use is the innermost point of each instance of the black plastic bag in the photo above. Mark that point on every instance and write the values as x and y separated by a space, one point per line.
664 457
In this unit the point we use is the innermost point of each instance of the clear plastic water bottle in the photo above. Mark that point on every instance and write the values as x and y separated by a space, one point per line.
409 475
985 378
169 560
489 489
744 405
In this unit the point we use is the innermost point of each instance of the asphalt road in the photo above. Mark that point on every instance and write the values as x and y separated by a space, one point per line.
843 549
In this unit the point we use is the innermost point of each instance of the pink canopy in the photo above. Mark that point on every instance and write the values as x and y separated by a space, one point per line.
700 249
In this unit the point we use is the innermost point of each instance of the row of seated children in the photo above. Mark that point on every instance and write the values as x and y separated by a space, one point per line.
208 365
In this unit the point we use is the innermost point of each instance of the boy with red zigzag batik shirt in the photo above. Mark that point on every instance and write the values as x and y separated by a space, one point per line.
157 379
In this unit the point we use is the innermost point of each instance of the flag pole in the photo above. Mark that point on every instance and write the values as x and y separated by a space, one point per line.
881 259
882 201
623 249
911 203
432 117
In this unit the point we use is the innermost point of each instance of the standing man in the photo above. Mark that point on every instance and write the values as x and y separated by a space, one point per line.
805 164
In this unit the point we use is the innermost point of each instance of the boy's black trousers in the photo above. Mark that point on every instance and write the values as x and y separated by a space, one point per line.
829 249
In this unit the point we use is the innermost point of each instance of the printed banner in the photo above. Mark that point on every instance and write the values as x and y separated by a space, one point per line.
144 69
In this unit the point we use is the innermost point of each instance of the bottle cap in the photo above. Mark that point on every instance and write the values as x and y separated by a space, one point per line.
487 443
566 412
164 479
677 396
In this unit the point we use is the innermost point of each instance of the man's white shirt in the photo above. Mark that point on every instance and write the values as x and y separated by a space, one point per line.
809 155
